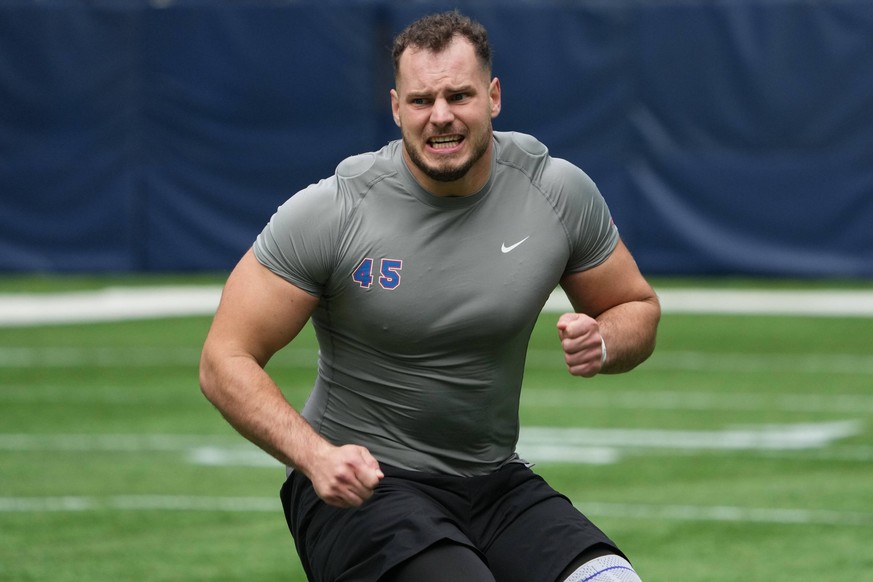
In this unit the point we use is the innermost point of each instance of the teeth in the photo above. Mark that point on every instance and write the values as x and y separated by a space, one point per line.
444 141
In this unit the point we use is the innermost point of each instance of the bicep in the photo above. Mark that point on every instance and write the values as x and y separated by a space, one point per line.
615 281
259 312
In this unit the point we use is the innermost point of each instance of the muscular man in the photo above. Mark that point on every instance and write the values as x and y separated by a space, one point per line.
423 267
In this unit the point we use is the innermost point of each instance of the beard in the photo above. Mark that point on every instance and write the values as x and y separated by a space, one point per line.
449 171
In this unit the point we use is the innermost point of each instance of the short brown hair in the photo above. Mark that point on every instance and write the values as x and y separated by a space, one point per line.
434 33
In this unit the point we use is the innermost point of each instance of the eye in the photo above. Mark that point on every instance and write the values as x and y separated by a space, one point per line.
459 96
419 101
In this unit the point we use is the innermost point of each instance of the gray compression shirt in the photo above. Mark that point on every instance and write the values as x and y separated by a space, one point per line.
427 303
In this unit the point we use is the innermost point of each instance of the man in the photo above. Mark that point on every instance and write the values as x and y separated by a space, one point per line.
423 267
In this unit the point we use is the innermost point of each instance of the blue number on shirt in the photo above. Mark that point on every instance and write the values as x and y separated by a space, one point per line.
363 274
390 270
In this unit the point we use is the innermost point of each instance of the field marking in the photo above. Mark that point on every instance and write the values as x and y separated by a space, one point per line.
138 503
110 304
701 401
531 397
123 443
812 363
725 513
300 357
562 444
808 435
598 446
824 303
130 356
717 513
122 303
734 362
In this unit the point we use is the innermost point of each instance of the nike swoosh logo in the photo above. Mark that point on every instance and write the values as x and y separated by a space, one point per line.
505 249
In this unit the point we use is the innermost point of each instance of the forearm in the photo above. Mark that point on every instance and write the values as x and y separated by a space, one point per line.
343 476
254 405
628 331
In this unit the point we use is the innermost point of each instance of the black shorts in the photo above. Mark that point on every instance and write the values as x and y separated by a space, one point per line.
523 529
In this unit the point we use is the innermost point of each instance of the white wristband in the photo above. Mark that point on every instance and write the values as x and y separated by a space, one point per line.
602 351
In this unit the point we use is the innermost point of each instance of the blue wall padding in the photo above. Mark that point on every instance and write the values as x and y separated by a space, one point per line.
728 137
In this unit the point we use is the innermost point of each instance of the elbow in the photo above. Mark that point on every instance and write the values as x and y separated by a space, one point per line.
647 332
649 343
654 319
654 303
223 374
207 378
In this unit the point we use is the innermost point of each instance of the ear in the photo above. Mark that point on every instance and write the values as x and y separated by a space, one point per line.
395 106
494 97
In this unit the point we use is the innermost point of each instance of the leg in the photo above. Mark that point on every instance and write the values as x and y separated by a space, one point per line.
445 560
405 517
599 564
532 532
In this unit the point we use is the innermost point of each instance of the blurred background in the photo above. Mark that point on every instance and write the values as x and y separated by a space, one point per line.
729 137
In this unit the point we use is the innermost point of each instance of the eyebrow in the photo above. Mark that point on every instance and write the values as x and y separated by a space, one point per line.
451 90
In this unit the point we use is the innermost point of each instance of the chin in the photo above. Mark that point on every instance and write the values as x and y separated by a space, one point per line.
448 174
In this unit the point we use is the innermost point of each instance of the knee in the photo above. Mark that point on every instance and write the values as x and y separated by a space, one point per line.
600 565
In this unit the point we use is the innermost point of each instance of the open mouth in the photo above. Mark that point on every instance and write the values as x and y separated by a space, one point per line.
445 142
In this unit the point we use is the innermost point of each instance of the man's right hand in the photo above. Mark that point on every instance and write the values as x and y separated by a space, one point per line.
344 476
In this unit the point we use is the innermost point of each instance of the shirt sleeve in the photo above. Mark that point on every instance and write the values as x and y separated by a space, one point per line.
299 241
591 231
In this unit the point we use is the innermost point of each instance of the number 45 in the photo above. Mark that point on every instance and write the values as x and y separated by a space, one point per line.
389 273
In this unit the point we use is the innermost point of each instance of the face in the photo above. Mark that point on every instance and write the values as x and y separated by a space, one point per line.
444 103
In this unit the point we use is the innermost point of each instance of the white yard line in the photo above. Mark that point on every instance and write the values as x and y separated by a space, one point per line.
138 503
717 513
539 444
129 357
837 302
111 304
733 362
811 435
692 400
531 398
725 513
299 357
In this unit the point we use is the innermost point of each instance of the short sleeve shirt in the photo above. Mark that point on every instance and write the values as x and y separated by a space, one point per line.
427 303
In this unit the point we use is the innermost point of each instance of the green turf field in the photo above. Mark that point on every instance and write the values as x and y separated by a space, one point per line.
743 450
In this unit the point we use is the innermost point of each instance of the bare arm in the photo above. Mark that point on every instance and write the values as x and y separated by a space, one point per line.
258 315
614 304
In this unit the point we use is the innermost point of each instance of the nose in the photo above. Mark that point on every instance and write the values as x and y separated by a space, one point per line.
441 112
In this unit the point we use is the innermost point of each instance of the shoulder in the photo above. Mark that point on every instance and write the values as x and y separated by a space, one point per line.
340 193
363 170
520 150
530 156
